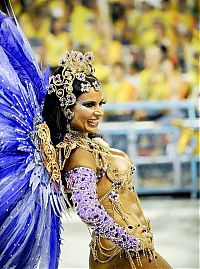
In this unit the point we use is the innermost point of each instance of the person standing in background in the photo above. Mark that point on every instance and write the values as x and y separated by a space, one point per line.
119 90
55 43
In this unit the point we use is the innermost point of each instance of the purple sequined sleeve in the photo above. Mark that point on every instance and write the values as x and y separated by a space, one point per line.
82 182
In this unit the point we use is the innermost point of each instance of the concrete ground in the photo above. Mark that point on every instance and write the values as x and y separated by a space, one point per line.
175 224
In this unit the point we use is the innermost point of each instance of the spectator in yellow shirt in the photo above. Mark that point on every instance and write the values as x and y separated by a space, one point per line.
35 22
84 25
119 90
55 44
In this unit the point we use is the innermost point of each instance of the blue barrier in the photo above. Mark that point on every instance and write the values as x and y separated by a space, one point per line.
188 105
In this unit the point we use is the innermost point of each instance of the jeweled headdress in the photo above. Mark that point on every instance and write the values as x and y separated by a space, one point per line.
76 65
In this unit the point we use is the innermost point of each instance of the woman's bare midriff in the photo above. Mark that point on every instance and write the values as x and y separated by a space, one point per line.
128 197
134 218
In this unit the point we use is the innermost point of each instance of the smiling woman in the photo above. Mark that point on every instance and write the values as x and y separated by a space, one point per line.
49 147
99 178
88 111
75 99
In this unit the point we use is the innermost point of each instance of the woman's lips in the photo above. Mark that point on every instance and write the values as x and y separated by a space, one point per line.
93 123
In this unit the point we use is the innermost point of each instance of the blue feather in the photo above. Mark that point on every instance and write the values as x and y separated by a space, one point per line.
30 206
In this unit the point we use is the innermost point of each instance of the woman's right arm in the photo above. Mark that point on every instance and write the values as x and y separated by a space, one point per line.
82 182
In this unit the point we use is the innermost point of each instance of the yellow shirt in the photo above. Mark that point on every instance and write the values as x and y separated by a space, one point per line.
83 26
114 51
153 85
37 29
119 92
55 47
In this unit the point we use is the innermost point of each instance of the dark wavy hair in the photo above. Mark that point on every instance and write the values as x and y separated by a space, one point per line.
52 112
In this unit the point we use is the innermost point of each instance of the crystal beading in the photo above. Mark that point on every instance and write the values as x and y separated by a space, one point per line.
82 182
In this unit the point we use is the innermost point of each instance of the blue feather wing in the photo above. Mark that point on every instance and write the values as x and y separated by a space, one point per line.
30 206
18 105
31 232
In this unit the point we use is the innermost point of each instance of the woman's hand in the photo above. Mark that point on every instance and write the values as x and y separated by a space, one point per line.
143 233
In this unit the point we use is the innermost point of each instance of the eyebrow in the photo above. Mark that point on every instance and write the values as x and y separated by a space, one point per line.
91 101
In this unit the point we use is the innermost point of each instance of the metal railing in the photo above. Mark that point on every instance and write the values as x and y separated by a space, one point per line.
188 105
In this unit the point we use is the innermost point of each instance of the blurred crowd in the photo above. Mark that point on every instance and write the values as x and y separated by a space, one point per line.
144 50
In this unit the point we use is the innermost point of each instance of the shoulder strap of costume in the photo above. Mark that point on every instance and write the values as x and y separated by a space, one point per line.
65 148
98 147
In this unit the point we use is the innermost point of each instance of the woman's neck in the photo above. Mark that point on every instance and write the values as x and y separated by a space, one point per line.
76 133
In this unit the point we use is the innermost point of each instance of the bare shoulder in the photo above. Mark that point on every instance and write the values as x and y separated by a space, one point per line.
80 158
118 152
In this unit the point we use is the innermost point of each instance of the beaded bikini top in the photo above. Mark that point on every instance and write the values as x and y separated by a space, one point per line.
120 179
101 153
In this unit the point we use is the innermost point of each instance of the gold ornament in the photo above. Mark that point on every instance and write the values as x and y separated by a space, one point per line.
49 153
76 65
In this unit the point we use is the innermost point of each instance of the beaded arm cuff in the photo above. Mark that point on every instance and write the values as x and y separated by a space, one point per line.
82 182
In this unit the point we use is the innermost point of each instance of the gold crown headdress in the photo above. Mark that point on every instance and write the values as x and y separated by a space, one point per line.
76 65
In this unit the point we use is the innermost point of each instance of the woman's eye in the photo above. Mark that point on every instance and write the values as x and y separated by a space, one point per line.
88 105
102 103
92 104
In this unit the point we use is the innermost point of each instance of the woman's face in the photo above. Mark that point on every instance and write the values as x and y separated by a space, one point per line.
88 111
